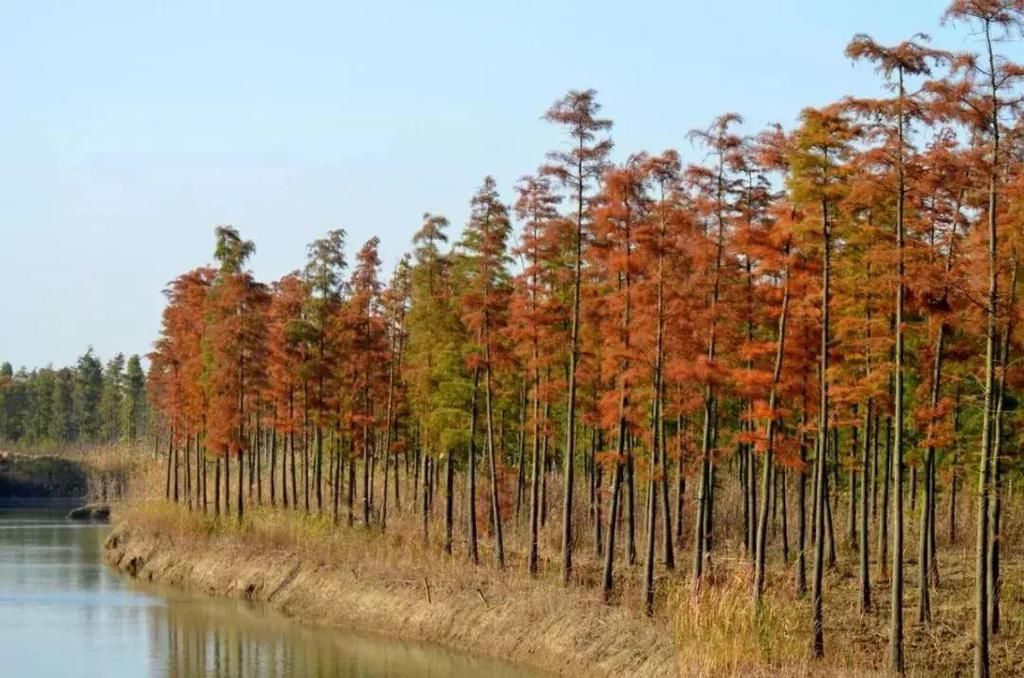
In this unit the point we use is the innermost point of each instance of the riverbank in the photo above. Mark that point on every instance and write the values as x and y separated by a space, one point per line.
25 476
94 473
532 623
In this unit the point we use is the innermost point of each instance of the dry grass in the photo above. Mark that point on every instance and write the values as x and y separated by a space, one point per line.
358 578
716 632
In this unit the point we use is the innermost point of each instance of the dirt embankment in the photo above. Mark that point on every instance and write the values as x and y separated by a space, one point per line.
556 631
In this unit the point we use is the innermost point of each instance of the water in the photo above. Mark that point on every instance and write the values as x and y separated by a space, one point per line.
65 614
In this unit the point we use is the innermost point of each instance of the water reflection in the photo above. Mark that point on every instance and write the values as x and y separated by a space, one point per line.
62 613
230 639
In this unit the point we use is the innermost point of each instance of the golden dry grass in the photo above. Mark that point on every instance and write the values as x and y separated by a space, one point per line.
716 632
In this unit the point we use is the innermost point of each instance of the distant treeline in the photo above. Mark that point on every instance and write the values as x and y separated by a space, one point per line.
88 402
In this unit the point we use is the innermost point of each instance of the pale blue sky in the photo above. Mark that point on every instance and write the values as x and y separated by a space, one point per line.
129 129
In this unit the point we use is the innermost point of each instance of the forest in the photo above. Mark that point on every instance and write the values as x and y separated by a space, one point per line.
88 403
797 347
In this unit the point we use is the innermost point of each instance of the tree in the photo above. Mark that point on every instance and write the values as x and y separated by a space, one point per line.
286 361
88 392
484 308
439 388
713 186
577 169
111 399
534 310
820 147
235 350
622 211
133 408
325 266
368 355
899 62
984 96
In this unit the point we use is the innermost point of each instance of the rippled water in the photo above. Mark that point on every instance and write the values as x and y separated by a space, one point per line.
63 614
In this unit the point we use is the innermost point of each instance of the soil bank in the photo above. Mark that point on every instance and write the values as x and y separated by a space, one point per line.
562 632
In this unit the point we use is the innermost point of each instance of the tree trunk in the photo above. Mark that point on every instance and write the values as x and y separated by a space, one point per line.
449 502
570 414
822 456
499 542
995 583
767 465
864 599
474 554
535 461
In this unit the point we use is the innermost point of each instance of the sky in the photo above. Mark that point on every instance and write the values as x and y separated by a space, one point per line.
129 130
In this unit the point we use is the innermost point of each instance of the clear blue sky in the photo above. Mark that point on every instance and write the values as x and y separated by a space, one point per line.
129 129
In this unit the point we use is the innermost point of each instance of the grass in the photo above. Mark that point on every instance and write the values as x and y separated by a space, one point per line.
716 631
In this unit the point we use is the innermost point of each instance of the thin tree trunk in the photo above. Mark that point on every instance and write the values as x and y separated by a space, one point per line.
499 542
533 552
474 554
817 595
570 415
449 502
995 583
864 599
981 613
767 465
521 456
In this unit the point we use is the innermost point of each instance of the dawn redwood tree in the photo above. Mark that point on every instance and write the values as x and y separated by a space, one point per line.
395 307
577 168
940 191
177 364
622 210
819 151
324 275
715 185
286 361
235 346
484 309
896 64
534 309
984 94
656 241
368 355
438 384
773 244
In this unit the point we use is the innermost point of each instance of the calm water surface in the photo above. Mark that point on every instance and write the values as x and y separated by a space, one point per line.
64 614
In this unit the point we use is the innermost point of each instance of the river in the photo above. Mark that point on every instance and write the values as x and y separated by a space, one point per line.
63 613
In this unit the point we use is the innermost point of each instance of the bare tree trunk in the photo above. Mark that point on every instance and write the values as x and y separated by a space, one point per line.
768 467
499 542
474 554
995 583
883 523
864 600
817 595
570 414
521 456
613 512
533 554
449 503
216 486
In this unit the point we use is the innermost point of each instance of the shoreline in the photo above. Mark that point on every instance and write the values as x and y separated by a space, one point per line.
537 627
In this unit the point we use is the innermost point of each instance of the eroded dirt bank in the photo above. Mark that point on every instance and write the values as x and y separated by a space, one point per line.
560 632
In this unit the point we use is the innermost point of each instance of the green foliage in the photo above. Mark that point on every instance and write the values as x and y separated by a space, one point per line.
86 403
